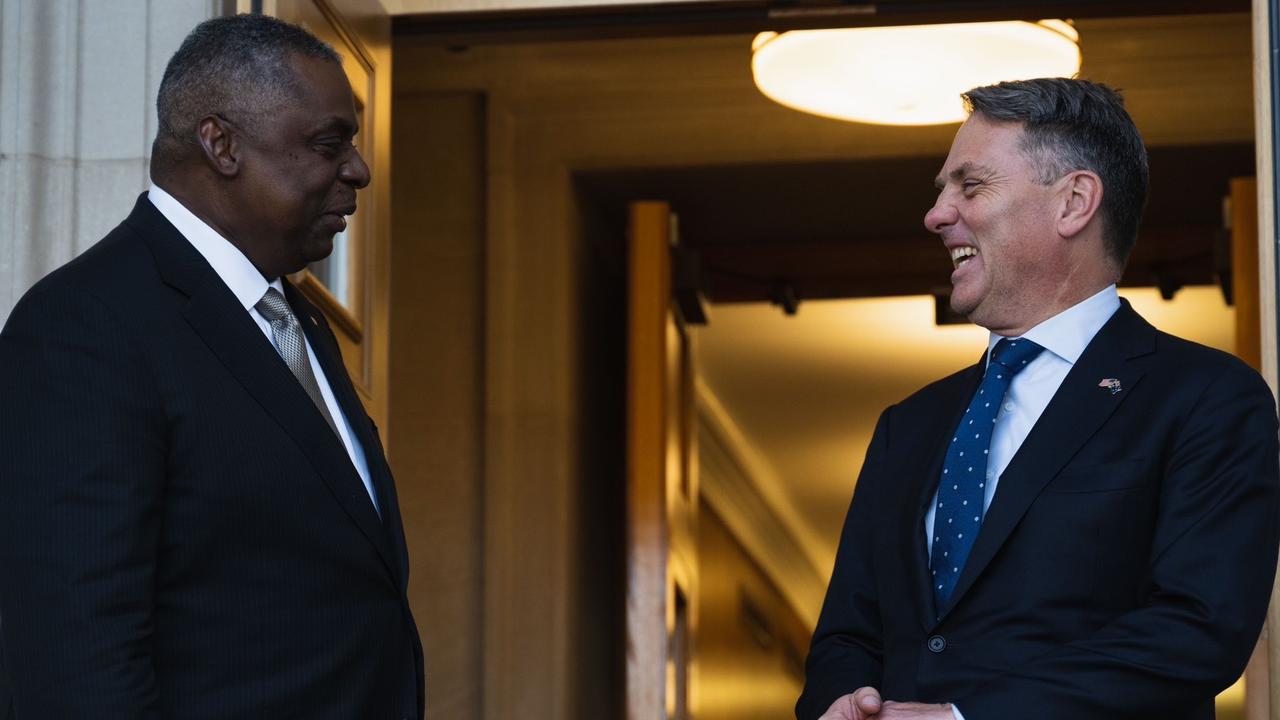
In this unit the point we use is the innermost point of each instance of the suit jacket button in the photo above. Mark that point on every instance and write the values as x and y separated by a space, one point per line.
937 644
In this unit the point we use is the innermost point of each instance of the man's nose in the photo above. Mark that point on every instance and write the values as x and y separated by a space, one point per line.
355 171
940 215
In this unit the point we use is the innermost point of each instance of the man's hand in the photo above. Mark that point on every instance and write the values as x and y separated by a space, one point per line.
861 704
913 711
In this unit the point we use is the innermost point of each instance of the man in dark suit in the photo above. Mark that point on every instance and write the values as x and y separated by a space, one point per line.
1084 523
196 517
6 700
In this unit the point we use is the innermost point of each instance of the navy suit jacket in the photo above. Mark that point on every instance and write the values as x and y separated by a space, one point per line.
1122 570
181 533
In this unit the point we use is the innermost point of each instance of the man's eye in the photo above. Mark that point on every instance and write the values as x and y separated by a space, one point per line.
331 145
334 146
970 185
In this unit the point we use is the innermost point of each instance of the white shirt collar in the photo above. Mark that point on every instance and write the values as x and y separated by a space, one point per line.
244 280
1069 332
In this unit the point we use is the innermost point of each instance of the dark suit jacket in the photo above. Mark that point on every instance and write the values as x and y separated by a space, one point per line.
181 533
6 698
1124 565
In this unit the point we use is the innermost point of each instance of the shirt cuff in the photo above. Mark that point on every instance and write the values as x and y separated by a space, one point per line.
956 711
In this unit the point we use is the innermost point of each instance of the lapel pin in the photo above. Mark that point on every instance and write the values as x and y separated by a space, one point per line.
1111 384
314 321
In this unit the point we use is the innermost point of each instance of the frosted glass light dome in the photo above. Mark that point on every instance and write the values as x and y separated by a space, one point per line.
911 75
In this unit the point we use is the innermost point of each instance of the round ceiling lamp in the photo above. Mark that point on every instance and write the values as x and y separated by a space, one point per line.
906 75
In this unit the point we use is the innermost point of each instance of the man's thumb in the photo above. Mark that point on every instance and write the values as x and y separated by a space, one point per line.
867 700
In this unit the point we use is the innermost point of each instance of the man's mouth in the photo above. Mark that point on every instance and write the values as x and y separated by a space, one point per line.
961 255
340 215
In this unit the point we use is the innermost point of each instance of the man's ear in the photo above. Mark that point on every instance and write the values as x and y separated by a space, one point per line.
220 145
1081 198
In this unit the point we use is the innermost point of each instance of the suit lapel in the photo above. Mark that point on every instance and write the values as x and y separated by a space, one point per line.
330 356
1076 412
927 465
218 319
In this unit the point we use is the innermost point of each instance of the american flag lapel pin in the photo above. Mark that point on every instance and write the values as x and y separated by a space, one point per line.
1111 384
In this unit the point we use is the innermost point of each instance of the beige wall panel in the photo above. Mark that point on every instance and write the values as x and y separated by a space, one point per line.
531 428
436 370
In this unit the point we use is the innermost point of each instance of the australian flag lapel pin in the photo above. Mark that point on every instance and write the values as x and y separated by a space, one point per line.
1111 384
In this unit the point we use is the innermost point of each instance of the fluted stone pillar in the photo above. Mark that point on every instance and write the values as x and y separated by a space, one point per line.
78 81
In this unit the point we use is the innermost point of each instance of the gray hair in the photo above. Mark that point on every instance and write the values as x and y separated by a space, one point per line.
1071 124
235 66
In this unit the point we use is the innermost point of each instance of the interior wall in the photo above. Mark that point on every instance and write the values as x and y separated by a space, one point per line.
437 366
77 118
751 645
506 416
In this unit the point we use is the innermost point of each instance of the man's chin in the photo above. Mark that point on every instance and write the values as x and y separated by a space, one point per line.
318 248
961 305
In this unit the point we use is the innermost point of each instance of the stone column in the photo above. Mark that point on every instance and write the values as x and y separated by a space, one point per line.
78 82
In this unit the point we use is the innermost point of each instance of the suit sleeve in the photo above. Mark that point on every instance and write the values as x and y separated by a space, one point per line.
846 650
1210 574
81 472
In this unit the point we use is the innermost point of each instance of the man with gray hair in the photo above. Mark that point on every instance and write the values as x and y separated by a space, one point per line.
1084 523
196 516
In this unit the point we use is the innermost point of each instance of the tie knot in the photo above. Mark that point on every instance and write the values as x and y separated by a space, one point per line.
273 306
1015 354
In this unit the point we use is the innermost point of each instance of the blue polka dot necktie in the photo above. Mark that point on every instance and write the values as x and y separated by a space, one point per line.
964 473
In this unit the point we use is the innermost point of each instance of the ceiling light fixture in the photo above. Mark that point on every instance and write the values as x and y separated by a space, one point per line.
910 75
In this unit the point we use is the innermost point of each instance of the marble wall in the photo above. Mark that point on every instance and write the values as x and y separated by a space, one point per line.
78 81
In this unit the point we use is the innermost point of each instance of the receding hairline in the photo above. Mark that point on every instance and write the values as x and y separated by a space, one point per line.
1072 124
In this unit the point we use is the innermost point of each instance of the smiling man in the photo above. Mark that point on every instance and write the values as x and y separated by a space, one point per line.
196 517
1084 523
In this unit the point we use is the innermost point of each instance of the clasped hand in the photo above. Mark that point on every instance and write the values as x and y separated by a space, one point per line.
865 704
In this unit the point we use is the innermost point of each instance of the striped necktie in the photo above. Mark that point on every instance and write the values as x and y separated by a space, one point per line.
292 346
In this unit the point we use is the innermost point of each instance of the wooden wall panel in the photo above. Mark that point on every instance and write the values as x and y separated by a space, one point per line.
437 370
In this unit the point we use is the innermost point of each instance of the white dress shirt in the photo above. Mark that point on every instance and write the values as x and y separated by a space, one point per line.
1063 337
248 285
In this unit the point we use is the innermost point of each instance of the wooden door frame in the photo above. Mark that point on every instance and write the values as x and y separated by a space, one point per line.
662 491
1266 40
647 527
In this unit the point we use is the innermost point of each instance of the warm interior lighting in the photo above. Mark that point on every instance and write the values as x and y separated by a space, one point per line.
906 75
